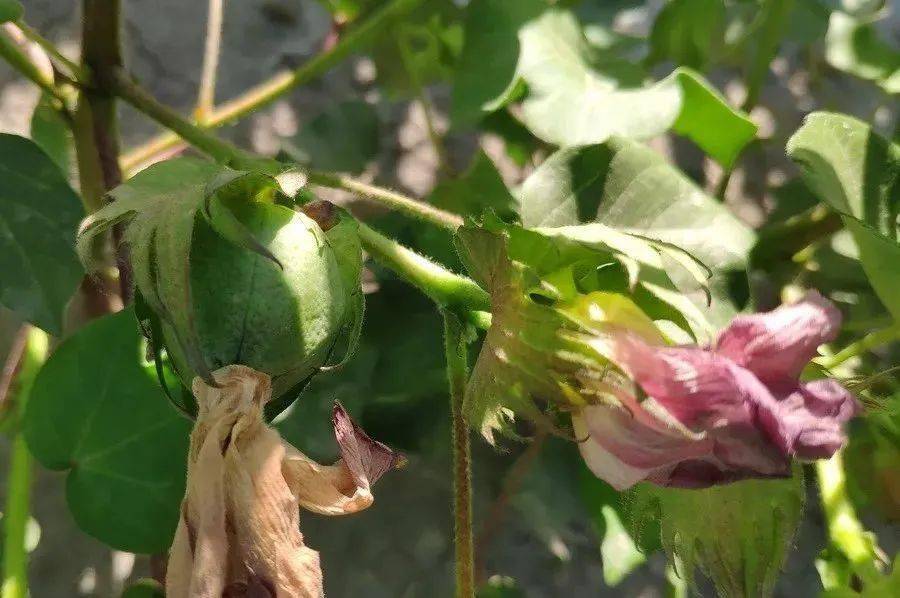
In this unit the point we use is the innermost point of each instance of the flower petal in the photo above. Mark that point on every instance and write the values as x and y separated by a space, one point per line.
808 422
777 345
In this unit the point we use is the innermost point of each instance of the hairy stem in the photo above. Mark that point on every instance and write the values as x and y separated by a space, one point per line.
267 92
207 92
447 289
18 493
393 200
867 343
457 374
845 531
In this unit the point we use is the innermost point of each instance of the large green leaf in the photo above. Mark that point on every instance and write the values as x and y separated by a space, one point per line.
39 214
853 46
568 101
857 173
343 137
97 411
688 32
626 185
737 534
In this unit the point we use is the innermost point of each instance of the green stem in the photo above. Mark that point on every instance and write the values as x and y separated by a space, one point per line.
13 54
78 72
396 201
267 92
207 92
867 343
845 531
447 289
18 497
780 242
219 150
457 374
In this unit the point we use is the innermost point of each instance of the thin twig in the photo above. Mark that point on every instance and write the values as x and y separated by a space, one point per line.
867 343
78 72
267 92
207 92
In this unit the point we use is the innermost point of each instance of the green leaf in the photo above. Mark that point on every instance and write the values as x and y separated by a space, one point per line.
857 173
419 49
737 534
39 214
625 185
487 65
51 132
97 412
343 137
853 46
569 102
687 32
10 10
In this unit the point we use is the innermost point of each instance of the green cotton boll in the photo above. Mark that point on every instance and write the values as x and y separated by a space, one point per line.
284 319
226 273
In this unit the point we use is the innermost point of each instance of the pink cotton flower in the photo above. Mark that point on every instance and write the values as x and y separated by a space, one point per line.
734 411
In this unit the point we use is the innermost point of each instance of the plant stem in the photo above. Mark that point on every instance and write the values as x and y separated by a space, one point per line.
449 290
867 343
77 71
96 118
396 201
269 91
844 529
457 374
19 60
18 497
218 149
207 93
780 242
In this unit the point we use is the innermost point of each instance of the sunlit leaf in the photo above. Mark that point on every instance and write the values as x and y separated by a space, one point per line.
567 101
97 411
39 214
627 186
854 46
857 173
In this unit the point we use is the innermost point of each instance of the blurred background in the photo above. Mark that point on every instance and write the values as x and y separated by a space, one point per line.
542 525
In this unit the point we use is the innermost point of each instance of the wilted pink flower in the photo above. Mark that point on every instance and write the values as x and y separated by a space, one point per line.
734 411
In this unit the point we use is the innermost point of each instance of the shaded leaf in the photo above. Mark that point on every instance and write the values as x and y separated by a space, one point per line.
97 412
854 46
687 32
857 173
51 132
144 588
342 137
737 534
39 214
